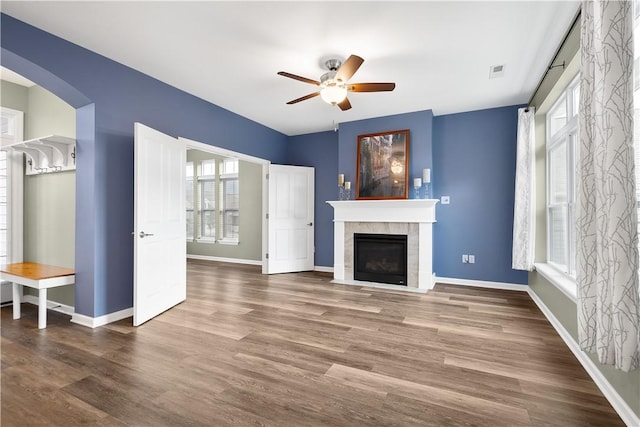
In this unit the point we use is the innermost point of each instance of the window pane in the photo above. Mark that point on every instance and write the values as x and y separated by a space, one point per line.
208 224
208 194
4 248
557 116
558 174
189 201
231 194
190 224
5 126
189 193
230 166
558 235
576 100
231 225
231 205
208 168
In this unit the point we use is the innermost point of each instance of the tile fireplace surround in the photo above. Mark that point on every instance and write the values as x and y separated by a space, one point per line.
412 217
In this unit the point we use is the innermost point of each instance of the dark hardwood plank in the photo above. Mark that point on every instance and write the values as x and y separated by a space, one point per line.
296 349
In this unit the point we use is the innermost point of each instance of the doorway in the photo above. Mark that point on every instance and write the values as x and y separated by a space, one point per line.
34 233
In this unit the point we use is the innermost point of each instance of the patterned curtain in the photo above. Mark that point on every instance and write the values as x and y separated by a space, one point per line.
524 207
606 226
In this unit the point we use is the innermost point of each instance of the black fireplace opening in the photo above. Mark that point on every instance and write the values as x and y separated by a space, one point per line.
380 258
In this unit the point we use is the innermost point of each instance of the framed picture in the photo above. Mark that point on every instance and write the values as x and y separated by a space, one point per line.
383 165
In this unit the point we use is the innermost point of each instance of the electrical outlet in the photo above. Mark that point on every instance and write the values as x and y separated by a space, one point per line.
472 259
465 259
444 200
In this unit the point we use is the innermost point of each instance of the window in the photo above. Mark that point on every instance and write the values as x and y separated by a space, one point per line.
4 236
207 183
562 145
11 172
213 201
190 202
230 203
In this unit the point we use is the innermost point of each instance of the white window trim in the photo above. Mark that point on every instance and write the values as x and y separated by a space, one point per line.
552 141
201 210
192 178
233 242
227 177
566 284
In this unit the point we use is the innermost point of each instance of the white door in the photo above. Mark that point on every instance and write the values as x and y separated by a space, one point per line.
290 221
160 248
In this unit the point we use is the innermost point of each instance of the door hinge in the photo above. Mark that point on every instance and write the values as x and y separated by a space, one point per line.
266 216
266 256
267 176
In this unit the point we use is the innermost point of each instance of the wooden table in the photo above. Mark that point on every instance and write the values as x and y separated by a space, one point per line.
37 276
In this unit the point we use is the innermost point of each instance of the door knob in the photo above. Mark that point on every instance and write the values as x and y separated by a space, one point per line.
310 224
143 234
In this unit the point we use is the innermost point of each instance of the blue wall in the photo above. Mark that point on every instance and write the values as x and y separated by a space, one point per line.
320 150
475 155
110 97
420 125
472 157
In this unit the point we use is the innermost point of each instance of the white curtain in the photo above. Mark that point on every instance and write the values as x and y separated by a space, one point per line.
524 206
606 226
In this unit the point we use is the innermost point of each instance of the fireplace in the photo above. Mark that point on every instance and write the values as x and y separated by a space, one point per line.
413 218
380 258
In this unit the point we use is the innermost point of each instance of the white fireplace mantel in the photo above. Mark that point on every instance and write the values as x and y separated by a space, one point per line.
408 211
405 210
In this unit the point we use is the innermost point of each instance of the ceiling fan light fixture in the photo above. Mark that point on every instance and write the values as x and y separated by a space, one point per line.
333 92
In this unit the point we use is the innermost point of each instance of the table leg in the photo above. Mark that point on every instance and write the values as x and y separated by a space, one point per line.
42 308
16 300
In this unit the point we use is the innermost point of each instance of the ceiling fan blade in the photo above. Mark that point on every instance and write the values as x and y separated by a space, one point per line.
345 104
304 98
371 87
300 78
349 68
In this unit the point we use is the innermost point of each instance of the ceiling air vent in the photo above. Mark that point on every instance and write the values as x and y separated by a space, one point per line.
496 71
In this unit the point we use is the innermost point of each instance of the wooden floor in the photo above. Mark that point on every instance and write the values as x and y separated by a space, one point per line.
296 350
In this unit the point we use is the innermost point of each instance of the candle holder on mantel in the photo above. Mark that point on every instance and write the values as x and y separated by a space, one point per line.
425 194
417 183
426 180
347 191
344 188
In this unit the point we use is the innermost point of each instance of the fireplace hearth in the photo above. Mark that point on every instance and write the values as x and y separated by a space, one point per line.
380 258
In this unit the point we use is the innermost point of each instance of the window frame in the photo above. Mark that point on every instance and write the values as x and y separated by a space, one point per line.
227 176
202 180
14 183
190 179
568 136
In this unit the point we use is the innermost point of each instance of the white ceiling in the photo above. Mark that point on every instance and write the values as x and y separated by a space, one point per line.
438 53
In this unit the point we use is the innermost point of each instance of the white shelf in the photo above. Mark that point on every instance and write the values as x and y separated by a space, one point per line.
47 154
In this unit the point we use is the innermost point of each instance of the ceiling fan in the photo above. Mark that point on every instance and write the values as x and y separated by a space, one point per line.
334 86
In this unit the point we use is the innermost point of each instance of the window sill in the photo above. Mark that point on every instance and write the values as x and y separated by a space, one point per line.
567 285
209 241
228 242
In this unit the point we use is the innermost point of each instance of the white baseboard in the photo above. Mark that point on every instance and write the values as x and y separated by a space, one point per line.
482 284
223 259
51 305
609 392
323 269
94 322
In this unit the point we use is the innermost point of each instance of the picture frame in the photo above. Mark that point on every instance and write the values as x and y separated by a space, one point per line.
383 165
